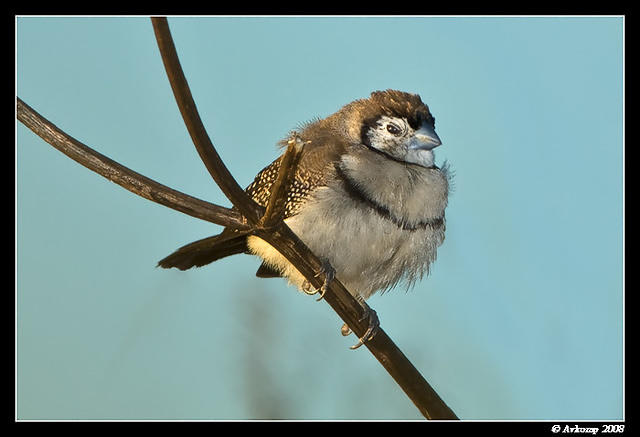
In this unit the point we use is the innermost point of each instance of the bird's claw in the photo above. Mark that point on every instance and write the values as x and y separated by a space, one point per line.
329 274
345 330
372 329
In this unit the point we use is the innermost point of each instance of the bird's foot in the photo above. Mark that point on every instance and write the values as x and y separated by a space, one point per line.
329 274
345 330
372 329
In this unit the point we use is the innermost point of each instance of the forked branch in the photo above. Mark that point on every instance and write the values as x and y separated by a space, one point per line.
123 176
247 207
247 217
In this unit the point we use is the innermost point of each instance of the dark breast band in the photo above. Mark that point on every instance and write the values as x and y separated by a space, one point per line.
352 189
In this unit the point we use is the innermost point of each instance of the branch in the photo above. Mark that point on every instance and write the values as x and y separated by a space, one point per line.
424 397
127 178
290 246
277 200
247 207
247 220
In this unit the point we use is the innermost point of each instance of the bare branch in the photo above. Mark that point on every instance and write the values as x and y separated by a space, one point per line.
425 398
127 178
247 207
274 211
290 246
270 227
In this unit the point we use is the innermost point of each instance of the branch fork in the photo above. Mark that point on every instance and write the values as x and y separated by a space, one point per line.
247 217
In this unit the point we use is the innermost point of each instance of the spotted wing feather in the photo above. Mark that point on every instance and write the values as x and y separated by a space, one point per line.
309 175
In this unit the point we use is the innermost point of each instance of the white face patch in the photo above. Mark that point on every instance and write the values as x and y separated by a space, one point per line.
389 135
425 158
393 136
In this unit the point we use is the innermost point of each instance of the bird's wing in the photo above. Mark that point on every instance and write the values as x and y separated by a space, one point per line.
317 158
309 175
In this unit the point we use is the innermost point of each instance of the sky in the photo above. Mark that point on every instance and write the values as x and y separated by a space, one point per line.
521 317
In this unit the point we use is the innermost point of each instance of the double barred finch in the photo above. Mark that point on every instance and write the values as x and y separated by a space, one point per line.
367 198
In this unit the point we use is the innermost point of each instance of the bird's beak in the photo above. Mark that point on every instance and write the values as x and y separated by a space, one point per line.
425 138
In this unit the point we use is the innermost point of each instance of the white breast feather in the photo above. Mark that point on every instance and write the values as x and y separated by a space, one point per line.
368 251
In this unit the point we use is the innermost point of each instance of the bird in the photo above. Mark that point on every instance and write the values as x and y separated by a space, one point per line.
367 198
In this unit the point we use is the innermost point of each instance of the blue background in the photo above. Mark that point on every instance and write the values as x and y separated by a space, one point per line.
521 318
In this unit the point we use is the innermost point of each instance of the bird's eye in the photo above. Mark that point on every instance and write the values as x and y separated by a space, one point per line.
393 129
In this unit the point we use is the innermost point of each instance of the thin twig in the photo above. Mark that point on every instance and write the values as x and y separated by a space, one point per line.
277 199
123 176
247 207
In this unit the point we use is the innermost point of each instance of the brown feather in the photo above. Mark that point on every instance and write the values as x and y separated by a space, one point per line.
328 139
206 251
264 271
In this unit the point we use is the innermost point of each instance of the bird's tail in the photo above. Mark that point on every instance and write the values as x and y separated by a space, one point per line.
205 251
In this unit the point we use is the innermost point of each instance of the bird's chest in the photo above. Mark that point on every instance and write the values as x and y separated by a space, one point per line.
368 248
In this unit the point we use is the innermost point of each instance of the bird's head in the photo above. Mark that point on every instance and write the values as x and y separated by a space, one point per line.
395 123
